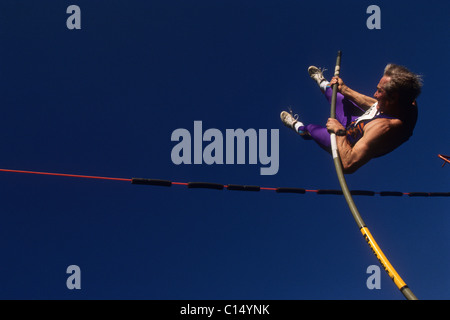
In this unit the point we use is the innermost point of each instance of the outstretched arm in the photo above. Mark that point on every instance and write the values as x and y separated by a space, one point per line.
363 101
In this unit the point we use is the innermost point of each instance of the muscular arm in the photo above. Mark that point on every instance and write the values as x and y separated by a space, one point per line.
379 137
363 101
352 158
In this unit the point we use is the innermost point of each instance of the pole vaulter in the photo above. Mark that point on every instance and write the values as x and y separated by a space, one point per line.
401 285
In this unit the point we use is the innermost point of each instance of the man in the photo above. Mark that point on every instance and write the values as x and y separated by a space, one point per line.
365 127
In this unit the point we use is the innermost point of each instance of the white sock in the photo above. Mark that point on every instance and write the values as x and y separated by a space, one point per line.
323 85
297 125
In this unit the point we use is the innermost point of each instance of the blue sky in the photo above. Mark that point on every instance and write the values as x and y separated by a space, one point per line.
104 101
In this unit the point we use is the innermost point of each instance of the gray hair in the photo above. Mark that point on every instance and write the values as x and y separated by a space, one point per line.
407 84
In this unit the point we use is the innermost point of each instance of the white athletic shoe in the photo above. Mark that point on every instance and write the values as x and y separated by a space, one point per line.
316 74
291 121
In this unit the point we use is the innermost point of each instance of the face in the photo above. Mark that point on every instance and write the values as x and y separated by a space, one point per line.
383 101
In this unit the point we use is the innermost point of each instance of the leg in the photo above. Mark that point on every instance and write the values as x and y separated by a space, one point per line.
346 110
319 134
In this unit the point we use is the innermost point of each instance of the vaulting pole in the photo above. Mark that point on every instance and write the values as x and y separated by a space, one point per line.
401 285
